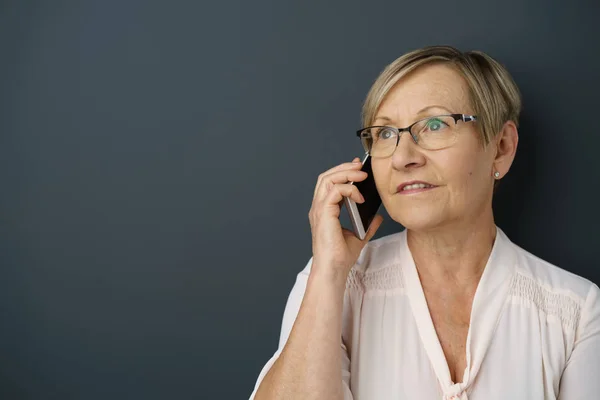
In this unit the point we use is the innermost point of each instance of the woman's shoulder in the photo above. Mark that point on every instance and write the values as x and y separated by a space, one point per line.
571 298
554 290
379 253
378 265
549 276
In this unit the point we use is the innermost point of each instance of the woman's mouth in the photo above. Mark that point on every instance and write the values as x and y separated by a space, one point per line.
415 187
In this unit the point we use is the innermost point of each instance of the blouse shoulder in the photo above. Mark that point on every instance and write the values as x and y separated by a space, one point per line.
550 276
552 289
377 267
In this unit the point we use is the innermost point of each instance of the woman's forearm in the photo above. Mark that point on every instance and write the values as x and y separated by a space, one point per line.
310 366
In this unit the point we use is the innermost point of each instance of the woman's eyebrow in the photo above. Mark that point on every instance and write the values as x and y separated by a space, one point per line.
421 111
434 106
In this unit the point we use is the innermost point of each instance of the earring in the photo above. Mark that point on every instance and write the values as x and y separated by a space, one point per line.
496 174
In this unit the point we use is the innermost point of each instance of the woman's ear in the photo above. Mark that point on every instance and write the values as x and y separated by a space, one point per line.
506 148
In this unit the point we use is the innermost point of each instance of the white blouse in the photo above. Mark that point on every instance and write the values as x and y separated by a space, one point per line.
534 331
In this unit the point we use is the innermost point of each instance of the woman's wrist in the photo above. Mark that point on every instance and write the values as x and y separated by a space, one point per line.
328 276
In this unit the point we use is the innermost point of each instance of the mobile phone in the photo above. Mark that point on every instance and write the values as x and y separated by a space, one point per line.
361 214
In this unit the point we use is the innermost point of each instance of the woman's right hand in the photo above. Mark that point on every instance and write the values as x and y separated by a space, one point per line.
336 249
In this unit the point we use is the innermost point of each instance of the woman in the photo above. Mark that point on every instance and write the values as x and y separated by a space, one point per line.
449 308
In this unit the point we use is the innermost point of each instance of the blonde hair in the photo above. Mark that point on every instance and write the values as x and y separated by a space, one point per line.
493 93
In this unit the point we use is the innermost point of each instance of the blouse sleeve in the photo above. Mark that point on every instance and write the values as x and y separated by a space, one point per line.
289 317
581 377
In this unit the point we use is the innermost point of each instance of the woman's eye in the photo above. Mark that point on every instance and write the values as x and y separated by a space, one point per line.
386 133
435 124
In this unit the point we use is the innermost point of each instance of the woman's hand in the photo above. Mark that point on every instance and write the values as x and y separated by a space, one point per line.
336 249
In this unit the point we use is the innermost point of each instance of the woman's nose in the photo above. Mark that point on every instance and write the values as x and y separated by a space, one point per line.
407 154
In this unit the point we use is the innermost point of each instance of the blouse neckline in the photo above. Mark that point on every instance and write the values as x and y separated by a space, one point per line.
488 304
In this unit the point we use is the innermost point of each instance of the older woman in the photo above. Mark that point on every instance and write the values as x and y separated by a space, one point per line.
449 308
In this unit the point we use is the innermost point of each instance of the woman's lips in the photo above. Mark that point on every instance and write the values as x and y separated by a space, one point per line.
414 187
417 190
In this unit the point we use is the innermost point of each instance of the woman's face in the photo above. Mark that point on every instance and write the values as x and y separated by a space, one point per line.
462 174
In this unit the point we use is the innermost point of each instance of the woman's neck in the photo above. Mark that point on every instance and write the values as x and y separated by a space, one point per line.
453 256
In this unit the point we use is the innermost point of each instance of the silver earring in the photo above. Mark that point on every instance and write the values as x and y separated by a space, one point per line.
496 174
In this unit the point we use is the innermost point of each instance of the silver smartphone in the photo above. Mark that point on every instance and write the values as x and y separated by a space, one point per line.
361 214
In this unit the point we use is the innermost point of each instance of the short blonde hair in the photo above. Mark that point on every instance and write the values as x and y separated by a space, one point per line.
493 93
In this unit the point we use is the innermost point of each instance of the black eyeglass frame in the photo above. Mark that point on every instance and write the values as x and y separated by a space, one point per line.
456 117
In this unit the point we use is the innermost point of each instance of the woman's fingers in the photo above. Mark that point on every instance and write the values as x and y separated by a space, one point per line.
329 181
341 190
349 166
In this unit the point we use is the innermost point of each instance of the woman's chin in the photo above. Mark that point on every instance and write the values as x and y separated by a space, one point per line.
418 220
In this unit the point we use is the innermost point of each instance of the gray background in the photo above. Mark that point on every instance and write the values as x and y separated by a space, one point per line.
140 260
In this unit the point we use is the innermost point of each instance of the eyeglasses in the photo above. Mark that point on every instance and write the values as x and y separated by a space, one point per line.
431 133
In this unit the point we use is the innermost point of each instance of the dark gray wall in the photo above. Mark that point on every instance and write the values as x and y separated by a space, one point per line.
157 163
